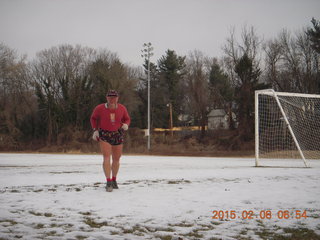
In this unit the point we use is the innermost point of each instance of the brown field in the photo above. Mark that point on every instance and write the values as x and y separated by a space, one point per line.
220 143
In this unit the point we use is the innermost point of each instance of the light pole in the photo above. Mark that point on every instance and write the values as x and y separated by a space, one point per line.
170 119
146 54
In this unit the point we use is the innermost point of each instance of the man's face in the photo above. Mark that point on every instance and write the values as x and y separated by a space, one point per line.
112 100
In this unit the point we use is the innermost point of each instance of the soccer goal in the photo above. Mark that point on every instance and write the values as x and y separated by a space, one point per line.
287 127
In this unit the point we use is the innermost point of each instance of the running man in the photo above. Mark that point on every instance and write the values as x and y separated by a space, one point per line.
109 121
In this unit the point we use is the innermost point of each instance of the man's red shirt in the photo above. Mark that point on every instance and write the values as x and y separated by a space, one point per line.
109 119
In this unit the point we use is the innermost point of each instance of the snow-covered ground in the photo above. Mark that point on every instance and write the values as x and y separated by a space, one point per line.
55 196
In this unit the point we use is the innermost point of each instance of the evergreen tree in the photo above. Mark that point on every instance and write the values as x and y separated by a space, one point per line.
220 87
171 71
248 75
221 91
314 35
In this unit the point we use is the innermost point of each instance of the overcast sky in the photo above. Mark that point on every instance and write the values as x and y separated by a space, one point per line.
122 26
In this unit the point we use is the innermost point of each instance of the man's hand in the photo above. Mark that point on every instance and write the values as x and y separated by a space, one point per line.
125 127
95 135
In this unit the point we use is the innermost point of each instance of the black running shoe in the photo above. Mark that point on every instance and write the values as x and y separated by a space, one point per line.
114 185
109 187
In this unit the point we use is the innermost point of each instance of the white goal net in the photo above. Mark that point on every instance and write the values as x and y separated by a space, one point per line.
287 126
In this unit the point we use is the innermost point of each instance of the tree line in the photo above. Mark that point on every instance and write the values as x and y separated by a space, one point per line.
51 97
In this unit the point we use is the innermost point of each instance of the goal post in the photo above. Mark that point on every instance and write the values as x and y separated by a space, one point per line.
287 126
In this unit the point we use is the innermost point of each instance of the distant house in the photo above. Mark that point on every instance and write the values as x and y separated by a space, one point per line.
218 119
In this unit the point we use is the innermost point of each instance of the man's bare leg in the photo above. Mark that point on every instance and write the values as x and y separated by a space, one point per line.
106 150
116 155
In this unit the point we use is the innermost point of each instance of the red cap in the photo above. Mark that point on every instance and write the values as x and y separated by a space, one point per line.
112 93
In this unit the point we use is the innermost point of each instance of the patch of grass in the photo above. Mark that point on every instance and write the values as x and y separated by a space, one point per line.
242 238
289 234
128 230
11 222
182 224
264 234
14 191
164 237
155 181
16 211
80 237
48 214
51 233
163 229
150 229
69 225
86 213
242 235
260 223
38 190
39 226
215 223
203 229
316 216
173 182
35 213
41 214
138 228
194 233
140 234
145 229
244 231
92 223
299 233
206 227
114 232
178 181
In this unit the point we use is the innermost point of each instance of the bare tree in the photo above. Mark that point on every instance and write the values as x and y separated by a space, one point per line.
292 63
309 63
242 64
273 54
197 80
107 72
62 86
16 101
250 45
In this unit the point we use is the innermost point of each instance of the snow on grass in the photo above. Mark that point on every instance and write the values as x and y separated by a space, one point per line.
56 196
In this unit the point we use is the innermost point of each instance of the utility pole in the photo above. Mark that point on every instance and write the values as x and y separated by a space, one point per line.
146 54
170 120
